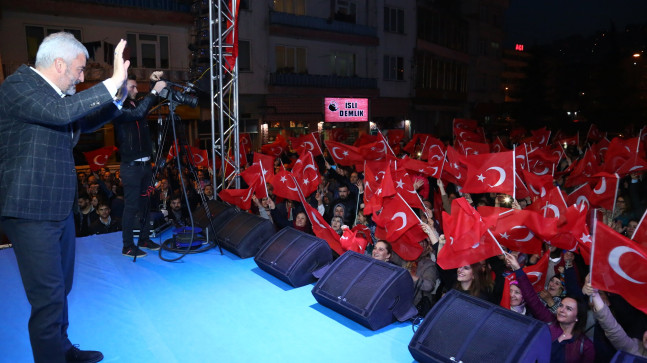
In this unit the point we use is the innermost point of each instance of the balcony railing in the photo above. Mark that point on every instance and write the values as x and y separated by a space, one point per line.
167 5
311 22
306 80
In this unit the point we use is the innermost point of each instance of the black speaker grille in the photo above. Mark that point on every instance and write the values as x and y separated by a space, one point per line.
358 281
457 320
490 343
363 292
338 282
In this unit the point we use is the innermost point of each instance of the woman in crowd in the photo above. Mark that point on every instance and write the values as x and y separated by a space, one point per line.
382 251
569 344
617 336
552 296
424 272
301 222
517 303
335 223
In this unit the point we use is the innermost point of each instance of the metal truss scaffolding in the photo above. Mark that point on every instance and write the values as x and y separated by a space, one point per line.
223 70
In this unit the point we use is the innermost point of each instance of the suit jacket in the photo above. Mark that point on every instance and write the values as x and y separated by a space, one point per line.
38 130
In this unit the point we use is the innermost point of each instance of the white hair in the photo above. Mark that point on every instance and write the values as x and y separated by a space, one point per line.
59 45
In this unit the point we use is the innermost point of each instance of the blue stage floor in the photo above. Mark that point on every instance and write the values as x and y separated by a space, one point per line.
205 308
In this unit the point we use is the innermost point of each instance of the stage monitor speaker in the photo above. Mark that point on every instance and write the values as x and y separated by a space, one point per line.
624 357
220 213
245 233
371 292
292 256
463 328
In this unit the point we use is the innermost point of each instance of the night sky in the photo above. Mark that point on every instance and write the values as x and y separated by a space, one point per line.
541 21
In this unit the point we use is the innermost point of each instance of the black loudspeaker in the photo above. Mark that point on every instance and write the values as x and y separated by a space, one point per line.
220 213
292 256
463 328
370 292
245 233
624 357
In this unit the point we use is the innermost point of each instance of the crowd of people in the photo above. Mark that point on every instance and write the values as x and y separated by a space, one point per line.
339 200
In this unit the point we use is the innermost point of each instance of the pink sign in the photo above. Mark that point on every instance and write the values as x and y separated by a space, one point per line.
345 109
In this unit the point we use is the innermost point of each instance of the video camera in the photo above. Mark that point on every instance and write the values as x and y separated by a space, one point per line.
182 96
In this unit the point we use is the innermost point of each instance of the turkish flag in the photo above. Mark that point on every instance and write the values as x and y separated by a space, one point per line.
305 143
374 151
285 185
306 173
321 228
490 173
350 241
600 148
267 162
254 179
520 157
618 265
404 186
605 191
245 142
581 195
634 164
540 136
344 154
467 237
570 140
595 134
410 147
538 184
97 158
242 198
473 148
536 275
398 225
570 234
552 205
199 157
640 234
467 135
455 169
520 230
618 152
417 166
433 149
497 146
364 139
396 217
583 169
276 148
395 136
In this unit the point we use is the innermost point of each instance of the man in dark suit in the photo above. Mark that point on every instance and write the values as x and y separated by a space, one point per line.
39 127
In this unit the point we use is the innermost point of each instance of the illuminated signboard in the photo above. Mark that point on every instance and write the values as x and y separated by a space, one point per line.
345 109
518 47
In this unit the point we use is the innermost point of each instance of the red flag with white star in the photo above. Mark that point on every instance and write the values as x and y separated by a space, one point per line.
490 173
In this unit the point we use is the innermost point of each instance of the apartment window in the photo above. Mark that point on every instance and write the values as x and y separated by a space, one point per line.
342 64
35 35
393 68
148 50
439 74
296 7
393 20
345 10
244 56
290 59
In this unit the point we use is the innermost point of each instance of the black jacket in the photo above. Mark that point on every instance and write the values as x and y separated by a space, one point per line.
131 129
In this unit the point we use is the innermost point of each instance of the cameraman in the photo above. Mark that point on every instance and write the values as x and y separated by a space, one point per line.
135 146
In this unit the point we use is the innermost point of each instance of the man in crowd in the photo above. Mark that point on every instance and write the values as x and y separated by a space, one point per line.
136 148
86 217
177 213
39 126
105 223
